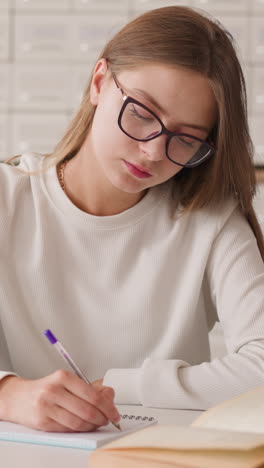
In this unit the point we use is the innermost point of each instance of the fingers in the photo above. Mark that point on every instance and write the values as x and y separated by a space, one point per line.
80 408
98 384
62 420
101 400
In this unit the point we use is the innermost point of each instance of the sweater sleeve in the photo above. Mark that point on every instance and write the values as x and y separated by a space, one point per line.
235 274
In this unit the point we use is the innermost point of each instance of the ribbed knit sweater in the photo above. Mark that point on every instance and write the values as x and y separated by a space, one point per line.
131 296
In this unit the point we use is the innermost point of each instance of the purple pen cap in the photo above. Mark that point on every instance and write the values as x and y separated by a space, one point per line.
52 339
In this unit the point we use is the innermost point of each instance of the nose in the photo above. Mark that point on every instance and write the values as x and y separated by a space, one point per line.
154 149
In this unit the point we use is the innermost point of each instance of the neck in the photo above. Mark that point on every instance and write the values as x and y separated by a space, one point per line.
91 192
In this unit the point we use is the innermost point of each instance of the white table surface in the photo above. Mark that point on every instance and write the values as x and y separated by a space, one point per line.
14 455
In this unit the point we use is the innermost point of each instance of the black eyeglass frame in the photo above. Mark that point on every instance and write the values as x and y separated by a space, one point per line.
127 99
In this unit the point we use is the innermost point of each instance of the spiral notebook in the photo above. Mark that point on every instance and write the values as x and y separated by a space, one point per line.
81 440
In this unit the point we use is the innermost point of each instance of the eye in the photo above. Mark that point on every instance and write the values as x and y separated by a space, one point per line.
187 141
140 113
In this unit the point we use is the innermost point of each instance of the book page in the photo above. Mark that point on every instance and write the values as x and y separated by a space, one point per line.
244 413
148 458
191 438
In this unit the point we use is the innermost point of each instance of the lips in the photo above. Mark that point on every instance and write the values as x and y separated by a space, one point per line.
137 170
142 169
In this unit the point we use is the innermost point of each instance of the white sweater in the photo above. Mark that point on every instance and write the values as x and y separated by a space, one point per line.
131 295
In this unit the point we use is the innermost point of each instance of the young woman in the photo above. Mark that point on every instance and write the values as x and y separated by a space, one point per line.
135 236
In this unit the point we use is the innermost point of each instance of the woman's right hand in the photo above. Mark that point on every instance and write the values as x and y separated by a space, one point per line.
60 402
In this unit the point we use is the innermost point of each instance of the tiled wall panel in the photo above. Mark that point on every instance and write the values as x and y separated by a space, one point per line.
4 5
222 6
92 31
43 37
39 131
42 5
258 6
103 6
257 96
4 133
257 131
4 36
5 87
35 88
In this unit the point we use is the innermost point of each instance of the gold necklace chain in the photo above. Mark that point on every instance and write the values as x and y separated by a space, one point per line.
60 173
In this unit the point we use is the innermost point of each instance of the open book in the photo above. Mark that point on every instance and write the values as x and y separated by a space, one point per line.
83 440
229 435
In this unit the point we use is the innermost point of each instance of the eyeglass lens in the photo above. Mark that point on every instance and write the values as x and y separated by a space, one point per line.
140 124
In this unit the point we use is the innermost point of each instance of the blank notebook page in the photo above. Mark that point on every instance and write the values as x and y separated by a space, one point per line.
82 440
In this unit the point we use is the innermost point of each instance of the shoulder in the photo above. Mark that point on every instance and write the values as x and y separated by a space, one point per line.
221 213
212 217
15 179
227 223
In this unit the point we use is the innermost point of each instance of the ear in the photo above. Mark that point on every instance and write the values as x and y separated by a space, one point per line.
99 75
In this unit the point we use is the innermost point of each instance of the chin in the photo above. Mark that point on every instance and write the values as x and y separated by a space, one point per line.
128 185
131 190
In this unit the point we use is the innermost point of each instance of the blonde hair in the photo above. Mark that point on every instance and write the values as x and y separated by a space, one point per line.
184 37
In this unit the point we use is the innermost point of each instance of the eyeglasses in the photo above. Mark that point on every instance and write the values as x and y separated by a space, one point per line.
138 122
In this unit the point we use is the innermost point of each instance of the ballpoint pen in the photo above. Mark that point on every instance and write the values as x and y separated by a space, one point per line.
53 340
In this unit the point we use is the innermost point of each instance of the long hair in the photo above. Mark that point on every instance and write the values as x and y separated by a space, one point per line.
185 37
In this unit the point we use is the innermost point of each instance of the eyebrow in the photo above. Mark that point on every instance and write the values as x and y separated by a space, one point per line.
157 105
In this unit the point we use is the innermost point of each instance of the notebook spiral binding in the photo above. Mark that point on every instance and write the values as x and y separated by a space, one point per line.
137 418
